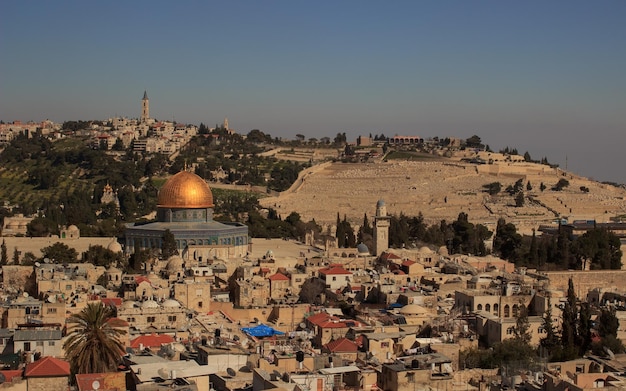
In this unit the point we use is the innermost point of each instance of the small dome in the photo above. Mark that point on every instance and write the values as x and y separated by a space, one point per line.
115 246
413 309
149 304
72 228
128 304
170 303
380 204
185 190
362 249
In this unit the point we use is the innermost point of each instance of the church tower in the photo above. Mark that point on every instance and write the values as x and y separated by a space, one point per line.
145 107
381 228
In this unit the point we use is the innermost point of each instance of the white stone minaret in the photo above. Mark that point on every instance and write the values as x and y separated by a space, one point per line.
145 108
226 123
381 228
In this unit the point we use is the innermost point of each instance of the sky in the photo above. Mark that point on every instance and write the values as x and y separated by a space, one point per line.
547 77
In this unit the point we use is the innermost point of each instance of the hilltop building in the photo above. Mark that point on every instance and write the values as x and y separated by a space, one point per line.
185 208
145 108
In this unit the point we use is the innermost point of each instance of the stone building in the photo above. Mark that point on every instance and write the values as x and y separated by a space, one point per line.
185 208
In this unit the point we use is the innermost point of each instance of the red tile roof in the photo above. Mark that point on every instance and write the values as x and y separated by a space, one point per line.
387 256
408 262
112 301
47 367
278 277
325 320
120 322
341 345
9 374
334 270
151 341
140 279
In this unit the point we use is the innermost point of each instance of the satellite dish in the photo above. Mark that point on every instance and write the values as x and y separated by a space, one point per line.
231 372
46 260
277 374
95 385
25 294
302 325
37 264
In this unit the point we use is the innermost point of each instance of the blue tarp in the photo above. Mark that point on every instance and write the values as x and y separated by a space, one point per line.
261 331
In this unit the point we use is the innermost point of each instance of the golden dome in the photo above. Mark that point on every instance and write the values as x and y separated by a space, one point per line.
185 190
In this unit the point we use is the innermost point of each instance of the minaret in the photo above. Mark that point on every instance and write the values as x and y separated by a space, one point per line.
145 107
381 228
226 123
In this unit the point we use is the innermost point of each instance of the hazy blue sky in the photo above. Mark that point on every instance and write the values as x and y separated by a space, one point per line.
547 77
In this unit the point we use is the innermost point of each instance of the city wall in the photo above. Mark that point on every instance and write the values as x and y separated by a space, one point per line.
584 281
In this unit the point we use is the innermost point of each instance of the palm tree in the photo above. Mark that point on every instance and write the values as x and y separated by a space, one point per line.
93 344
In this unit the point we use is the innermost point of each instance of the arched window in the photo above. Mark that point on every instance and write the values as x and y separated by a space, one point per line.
488 307
479 307
507 311
495 308
515 310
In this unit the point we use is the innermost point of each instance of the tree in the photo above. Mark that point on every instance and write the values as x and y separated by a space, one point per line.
168 245
519 199
551 340
568 329
473 142
4 259
60 253
93 343
493 188
529 187
560 185
542 187
522 326
16 256
101 256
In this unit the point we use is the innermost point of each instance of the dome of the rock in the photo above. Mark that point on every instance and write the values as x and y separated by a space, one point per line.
185 190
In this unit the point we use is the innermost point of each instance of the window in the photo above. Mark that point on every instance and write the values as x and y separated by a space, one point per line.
199 304
384 344
171 318
52 310
334 278
68 287
39 343
198 292
51 343
150 319
410 377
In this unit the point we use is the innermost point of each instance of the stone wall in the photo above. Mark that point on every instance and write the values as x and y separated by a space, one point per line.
584 281
48 383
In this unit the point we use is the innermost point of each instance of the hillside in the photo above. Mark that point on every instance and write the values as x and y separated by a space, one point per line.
442 189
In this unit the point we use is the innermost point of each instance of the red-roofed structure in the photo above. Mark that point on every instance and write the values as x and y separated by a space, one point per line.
47 367
140 279
112 301
335 277
10 374
328 327
341 345
151 341
278 277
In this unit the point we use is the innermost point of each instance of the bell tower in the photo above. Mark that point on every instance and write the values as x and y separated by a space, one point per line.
145 107
381 228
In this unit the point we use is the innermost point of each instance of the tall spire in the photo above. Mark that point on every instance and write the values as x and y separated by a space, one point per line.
145 95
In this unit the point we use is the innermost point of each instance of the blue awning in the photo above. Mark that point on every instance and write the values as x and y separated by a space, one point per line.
261 331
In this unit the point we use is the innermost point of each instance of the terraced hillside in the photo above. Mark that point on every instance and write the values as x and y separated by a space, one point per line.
442 189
